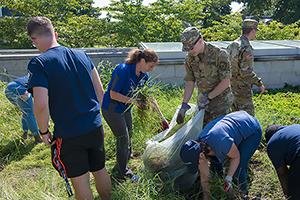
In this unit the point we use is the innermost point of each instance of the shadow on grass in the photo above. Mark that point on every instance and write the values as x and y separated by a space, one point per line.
14 150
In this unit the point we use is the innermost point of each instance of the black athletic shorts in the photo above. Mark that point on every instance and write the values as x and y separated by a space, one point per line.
81 154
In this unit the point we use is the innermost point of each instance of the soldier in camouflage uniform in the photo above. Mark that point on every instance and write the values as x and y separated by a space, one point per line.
243 76
209 67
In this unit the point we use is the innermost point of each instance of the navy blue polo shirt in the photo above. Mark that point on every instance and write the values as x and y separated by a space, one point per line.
73 104
284 146
223 131
125 81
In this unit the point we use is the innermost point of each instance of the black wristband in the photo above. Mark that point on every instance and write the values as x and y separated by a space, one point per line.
44 133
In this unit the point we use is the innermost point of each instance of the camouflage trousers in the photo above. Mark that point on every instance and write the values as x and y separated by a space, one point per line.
243 103
220 105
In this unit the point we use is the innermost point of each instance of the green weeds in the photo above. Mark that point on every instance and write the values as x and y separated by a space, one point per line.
26 171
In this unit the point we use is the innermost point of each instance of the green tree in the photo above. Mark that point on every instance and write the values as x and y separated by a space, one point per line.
228 29
13 33
82 31
75 20
162 21
278 31
285 11
127 22
56 10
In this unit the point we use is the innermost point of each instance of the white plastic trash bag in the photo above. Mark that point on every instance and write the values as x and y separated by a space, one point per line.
162 154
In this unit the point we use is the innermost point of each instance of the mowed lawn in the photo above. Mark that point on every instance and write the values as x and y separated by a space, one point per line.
26 171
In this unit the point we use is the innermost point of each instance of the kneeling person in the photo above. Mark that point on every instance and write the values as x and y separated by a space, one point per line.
236 136
283 147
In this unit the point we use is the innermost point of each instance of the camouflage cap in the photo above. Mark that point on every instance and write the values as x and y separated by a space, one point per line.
189 37
250 23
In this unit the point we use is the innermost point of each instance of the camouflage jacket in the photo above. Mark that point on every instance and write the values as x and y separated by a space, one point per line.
208 69
242 59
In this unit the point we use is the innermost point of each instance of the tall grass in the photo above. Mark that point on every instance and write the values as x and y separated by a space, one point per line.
26 171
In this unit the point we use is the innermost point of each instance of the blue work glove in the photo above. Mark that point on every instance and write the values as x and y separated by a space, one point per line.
181 114
203 101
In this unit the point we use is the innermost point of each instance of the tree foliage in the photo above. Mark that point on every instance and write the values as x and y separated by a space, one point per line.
56 10
285 11
14 34
75 20
228 29
129 22
82 31
162 21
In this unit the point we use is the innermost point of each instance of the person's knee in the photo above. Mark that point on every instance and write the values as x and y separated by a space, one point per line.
103 183
81 186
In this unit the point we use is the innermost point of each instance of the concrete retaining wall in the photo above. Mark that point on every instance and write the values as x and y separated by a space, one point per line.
274 73
14 62
276 64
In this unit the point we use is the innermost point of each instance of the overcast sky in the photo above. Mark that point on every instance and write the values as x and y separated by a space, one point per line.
100 3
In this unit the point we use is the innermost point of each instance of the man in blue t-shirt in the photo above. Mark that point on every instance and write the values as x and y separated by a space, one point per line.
283 147
235 136
66 86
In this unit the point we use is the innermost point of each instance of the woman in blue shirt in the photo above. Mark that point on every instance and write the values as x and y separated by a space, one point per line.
235 136
117 101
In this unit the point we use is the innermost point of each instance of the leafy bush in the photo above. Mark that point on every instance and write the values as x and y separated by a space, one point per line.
229 28
13 33
129 22
278 31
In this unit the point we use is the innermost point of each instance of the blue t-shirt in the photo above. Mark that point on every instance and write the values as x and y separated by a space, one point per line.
73 104
125 81
284 146
223 131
